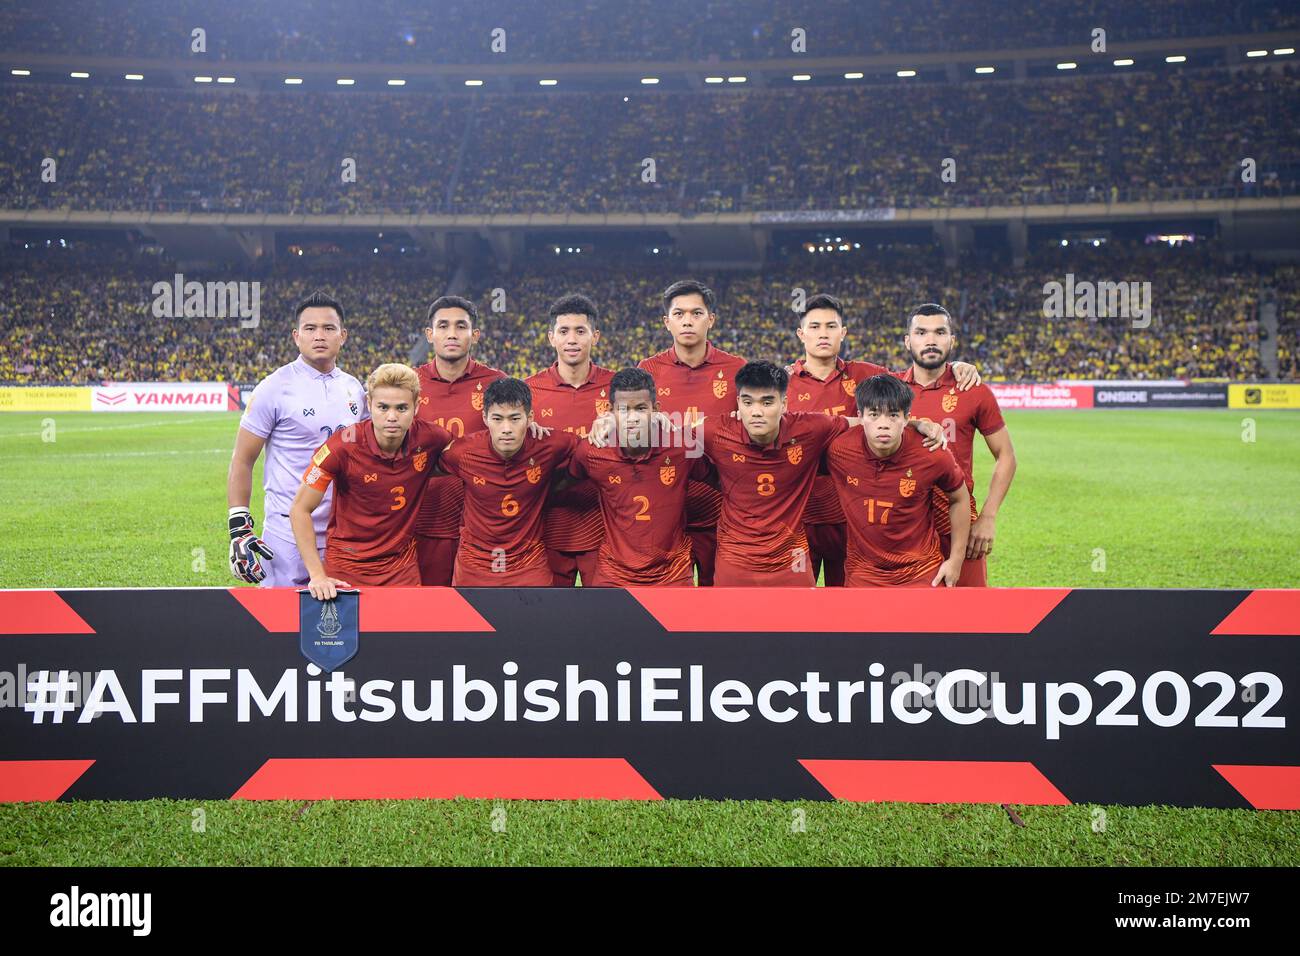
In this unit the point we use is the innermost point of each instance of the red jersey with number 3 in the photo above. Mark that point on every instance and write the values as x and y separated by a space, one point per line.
834 396
891 535
504 499
643 500
571 521
377 497
458 407
971 411
765 490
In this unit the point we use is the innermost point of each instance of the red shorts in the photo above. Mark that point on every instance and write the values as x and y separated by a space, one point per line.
852 580
704 550
404 574
974 574
826 548
685 580
727 575
538 576
437 560
567 565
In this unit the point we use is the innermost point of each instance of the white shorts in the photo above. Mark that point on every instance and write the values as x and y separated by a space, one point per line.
286 569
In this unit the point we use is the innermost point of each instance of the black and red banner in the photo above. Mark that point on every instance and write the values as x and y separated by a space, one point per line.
1025 696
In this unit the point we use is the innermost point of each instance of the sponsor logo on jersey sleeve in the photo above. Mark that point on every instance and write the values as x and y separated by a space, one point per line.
321 454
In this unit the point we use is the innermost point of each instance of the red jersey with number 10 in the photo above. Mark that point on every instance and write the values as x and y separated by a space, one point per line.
571 521
458 407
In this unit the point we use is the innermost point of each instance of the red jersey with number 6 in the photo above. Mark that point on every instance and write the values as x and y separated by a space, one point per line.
504 499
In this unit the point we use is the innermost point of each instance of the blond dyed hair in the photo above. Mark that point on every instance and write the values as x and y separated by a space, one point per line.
394 375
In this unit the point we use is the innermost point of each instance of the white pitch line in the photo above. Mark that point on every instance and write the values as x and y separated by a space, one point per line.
103 428
120 454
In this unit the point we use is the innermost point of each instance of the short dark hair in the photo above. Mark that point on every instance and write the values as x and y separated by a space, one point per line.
688 287
508 391
320 299
763 376
930 308
453 302
632 380
821 300
883 393
574 303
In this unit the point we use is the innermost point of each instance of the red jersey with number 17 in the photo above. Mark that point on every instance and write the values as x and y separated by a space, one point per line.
458 407
572 518
376 496
886 502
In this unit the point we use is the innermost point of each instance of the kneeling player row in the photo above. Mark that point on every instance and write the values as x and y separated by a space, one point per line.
763 460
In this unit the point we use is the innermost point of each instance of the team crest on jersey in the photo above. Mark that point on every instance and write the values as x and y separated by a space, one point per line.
353 407
534 472
720 386
848 385
321 454
950 400
421 460
477 401
907 486
794 454
602 405
667 475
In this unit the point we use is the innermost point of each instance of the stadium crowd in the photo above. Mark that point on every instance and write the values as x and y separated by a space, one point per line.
603 30
1081 139
77 317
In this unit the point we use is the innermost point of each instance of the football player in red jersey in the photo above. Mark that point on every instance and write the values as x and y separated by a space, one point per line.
821 381
507 473
380 470
931 338
642 482
451 396
694 380
885 479
568 396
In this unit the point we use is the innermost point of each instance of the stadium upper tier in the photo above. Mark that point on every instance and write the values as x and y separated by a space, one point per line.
1079 139
400 31
67 318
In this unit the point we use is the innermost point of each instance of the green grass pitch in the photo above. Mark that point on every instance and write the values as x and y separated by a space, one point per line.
1107 498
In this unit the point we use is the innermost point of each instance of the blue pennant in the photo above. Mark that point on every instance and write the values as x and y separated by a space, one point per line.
328 632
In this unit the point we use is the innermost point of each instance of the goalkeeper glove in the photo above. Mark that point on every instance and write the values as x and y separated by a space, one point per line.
245 548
